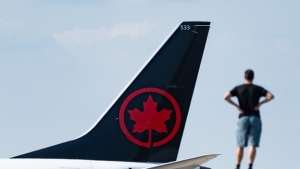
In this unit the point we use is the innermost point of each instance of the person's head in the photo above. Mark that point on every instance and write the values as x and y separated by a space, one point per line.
249 75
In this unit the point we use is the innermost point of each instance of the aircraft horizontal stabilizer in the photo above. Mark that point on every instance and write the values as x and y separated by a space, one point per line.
186 164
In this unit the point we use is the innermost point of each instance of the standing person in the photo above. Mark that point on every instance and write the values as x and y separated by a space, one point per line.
249 123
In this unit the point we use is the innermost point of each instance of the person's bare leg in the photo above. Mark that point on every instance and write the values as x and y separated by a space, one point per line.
239 155
252 153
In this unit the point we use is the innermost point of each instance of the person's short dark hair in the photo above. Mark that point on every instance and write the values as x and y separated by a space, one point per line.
249 74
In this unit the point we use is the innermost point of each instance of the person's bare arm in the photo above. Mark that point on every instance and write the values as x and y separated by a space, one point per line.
269 97
227 97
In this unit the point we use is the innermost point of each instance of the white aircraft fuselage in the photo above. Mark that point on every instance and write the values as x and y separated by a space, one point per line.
69 164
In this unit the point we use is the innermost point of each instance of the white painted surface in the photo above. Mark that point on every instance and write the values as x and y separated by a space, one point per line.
68 164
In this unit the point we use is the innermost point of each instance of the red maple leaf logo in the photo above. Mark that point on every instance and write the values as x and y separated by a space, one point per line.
150 119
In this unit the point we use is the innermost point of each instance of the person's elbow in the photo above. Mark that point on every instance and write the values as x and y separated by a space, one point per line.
270 96
227 96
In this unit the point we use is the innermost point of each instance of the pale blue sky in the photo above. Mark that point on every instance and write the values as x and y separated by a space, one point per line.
63 62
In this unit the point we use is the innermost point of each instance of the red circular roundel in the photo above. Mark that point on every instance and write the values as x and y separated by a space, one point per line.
145 121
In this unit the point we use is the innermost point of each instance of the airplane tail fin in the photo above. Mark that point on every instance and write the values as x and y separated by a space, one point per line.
191 163
146 122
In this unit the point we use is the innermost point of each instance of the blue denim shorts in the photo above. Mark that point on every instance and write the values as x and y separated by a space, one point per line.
249 131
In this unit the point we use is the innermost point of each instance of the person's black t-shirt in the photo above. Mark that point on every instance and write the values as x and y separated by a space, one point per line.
248 96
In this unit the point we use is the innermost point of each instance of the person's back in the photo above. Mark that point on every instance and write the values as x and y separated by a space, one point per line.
249 124
248 96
